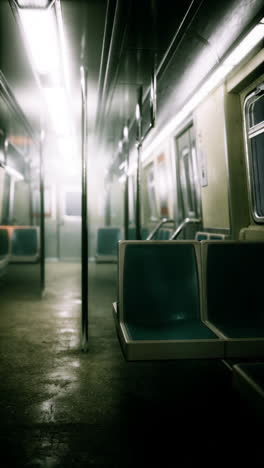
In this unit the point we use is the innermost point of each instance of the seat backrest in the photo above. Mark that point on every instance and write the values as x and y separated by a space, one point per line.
202 235
233 282
216 236
158 281
4 243
24 241
164 234
107 240
132 233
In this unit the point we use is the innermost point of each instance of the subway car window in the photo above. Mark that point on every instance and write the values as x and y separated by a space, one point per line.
131 189
73 203
149 177
187 174
256 112
6 199
254 117
162 177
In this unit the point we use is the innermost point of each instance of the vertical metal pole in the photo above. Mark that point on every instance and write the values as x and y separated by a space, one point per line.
138 193
42 216
138 172
126 188
11 201
84 339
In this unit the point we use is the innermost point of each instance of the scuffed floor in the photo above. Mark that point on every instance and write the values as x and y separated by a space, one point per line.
61 407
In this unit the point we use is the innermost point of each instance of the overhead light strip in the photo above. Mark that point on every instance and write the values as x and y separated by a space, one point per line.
233 59
41 35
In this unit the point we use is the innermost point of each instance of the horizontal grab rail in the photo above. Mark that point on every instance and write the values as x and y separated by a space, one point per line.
182 226
158 226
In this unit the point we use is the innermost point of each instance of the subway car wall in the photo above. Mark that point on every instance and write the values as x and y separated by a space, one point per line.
183 173
128 128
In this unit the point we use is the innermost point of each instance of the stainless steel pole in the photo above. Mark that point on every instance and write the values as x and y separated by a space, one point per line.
84 339
42 215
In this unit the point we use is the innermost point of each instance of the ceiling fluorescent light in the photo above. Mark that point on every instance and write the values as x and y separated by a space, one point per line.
238 54
246 45
41 35
58 109
34 3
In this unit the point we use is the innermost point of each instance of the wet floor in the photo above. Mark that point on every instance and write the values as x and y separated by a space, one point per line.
61 407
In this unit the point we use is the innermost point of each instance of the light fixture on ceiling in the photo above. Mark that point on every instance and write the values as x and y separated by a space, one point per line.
41 23
34 4
42 40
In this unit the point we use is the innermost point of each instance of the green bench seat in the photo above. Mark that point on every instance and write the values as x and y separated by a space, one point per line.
107 242
158 312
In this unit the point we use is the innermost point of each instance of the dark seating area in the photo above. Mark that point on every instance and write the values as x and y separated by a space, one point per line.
248 381
232 286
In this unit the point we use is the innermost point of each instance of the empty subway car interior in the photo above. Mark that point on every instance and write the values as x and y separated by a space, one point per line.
131 233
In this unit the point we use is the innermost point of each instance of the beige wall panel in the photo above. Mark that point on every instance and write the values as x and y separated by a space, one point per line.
210 138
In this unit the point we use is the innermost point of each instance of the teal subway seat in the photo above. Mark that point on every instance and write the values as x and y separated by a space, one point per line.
132 233
107 241
164 234
25 244
158 313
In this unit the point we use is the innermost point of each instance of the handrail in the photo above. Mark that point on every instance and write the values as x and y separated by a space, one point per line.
158 226
182 225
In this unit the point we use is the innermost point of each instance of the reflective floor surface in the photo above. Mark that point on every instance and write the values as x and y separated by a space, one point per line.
61 407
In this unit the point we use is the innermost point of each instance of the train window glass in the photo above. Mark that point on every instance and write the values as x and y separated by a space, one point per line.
257 152
187 174
163 185
131 195
256 111
187 180
149 178
254 118
73 203
6 199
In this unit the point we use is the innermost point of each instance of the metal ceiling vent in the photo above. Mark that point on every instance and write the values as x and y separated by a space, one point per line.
34 4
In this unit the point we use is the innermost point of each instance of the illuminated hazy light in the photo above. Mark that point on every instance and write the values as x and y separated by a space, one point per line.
122 179
58 109
122 165
125 132
41 35
12 172
68 153
137 112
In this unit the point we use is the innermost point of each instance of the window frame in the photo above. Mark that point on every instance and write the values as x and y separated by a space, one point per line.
249 134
